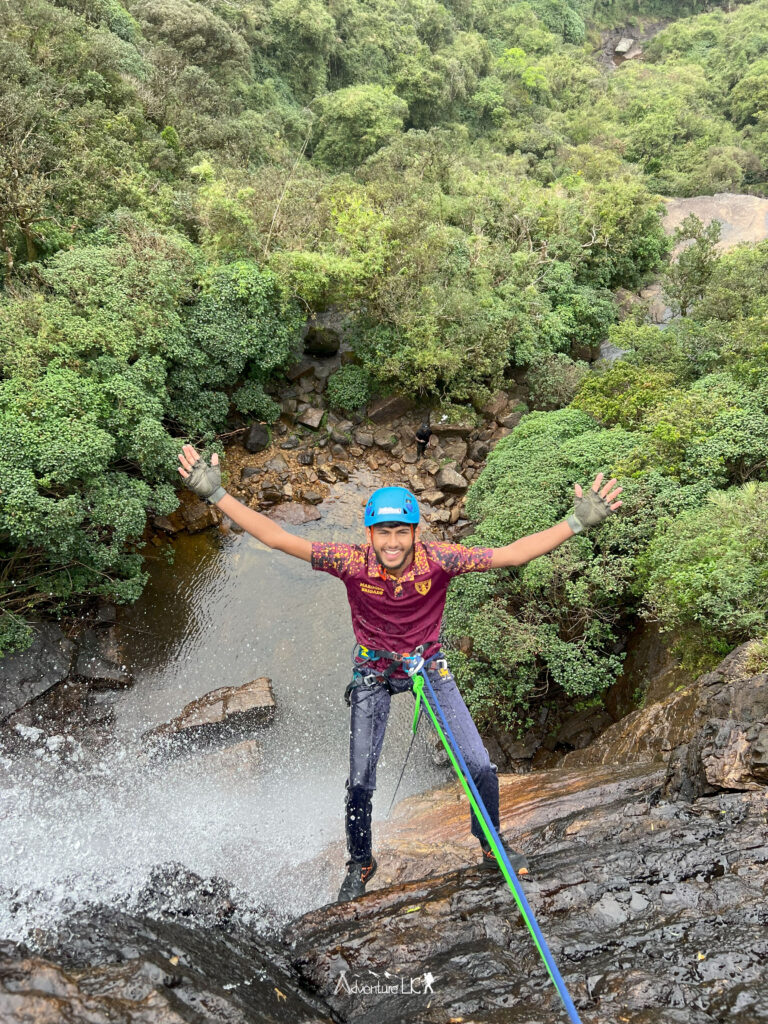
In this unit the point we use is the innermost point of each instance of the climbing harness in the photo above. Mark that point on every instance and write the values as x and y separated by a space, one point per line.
414 665
362 654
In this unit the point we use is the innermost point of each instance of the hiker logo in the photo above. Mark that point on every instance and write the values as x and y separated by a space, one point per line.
423 586
393 984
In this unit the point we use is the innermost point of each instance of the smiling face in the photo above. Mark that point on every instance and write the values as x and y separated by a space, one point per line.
393 545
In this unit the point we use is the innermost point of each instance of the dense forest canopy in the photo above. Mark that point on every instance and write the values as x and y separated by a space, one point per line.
183 183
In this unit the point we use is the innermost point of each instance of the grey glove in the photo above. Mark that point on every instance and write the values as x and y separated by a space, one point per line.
590 510
205 481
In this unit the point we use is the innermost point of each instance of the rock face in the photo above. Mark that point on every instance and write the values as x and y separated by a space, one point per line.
100 660
653 907
227 711
713 733
30 673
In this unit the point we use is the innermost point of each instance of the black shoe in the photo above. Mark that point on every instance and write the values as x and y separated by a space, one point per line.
358 875
518 861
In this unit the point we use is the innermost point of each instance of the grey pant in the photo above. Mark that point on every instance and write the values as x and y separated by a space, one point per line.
370 706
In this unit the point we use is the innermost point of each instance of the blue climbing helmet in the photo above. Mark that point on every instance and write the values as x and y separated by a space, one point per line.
392 505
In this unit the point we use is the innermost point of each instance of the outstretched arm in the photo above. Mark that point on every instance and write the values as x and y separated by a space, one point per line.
206 482
521 551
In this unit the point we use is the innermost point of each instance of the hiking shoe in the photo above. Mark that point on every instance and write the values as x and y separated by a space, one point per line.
518 861
358 875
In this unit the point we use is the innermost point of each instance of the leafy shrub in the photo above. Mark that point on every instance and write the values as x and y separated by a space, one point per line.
554 380
349 389
705 575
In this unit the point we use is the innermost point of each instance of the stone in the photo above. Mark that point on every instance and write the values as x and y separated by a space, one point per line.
271 493
439 515
25 675
496 405
364 438
300 370
338 451
455 448
433 497
222 713
168 524
248 472
256 438
276 464
291 444
384 438
288 491
430 466
624 44
449 480
327 474
479 450
100 660
321 341
511 420
305 458
106 612
443 428
382 410
311 418
197 514
294 513
313 497
341 472
288 407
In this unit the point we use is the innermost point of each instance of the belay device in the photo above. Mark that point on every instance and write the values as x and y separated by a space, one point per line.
414 665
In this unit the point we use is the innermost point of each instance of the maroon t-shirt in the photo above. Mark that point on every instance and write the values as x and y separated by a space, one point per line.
398 613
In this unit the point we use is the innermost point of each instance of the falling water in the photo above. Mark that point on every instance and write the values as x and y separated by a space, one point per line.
83 823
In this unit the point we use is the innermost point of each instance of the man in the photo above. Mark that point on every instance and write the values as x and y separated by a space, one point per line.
396 586
423 435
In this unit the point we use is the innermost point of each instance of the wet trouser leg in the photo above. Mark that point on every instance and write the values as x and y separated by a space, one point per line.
368 722
474 752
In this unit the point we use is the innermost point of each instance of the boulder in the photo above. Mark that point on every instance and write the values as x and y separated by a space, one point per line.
384 438
496 405
455 448
445 429
624 44
277 464
479 450
321 341
293 513
510 421
223 713
311 418
257 437
364 438
197 514
300 370
449 480
25 675
382 410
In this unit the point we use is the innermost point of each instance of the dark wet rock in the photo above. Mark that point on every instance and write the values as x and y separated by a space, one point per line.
168 524
321 341
225 712
581 728
27 674
448 479
185 955
106 613
311 418
384 410
256 438
197 514
100 660
292 443
271 493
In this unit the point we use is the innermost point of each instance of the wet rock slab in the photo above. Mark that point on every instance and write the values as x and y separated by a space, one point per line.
222 713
